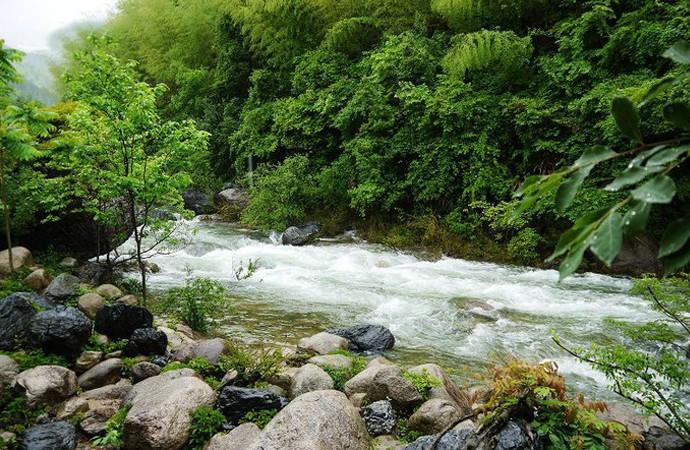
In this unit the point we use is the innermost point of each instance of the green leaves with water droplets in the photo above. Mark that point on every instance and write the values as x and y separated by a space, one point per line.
627 118
567 190
675 237
679 52
659 190
607 241
635 220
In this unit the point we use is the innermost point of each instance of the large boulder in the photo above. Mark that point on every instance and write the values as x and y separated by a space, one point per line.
517 435
143 370
210 349
21 257
50 436
434 416
379 417
300 235
176 340
359 384
388 383
231 201
309 378
87 360
235 402
637 256
98 405
90 304
62 287
147 341
102 374
94 273
16 313
658 438
62 330
323 343
8 370
463 439
119 321
38 280
109 291
46 384
239 438
160 413
338 362
315 420
39 302
367 338
198 200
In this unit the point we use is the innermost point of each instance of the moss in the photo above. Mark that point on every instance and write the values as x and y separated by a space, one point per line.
15 414
423 382
28 359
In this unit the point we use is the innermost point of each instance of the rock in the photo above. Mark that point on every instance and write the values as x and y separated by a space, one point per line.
236 401
160 413
69 262
210 349
386 442
367 338
379 361
230 377
7 438
87 360
315 420
176 340
101 404
323 343
62 287
103 373
161 361
239 438
283 378
119 321
143 370
464 439
50 436
388 383
300 235
339 362
434 416
185 329
109 291
47 384
21 257
90 304
150 383
309 378
277 390
62 330
657 438
128 300
39 302
446 388
517 435
38 280
626 415
638 256
16 313
358 400
147 341
231 201
359 384
379 417
93 273
199 201
8 370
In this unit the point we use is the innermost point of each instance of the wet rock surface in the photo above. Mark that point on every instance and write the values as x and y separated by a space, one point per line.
50 436
119 321
146 341
61 330
379 417
235 402
367 338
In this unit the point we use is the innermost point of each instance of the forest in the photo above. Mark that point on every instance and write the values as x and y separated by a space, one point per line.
533 134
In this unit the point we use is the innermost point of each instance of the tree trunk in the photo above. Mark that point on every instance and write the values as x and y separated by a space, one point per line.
6 212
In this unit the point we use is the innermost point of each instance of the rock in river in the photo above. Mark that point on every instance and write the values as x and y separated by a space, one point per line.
367 338
301 235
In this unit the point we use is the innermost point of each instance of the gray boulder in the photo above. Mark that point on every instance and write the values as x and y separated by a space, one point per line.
323 343
309 378
388 383
300 235
143 370
8 370
46 384
434 416
16 313
239 438
50 436
657 438
62 330
209 349
315 420
340 362
367 338
62 287
102 374
93 273
198 200
464 439
379 417
517 435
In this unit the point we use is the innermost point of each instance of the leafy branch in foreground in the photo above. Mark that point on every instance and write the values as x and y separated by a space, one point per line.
647 180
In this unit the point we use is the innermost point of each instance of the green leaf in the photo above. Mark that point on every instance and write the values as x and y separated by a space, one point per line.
667 155
607 241
680 52
660 189
594 155
631 176
627 117
657 89
567 190
591 217
635 220
675 237
571 262
678 114
677 261
529 181
567 240
642 157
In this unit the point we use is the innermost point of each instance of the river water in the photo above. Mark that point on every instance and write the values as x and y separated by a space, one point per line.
460 314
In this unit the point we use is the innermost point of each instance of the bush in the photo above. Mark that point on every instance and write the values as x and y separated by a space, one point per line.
15 414
260 418
206 422
113 430
523 246
195 302
251 365
423 382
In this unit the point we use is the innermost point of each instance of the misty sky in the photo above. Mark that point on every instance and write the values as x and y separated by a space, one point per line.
27 24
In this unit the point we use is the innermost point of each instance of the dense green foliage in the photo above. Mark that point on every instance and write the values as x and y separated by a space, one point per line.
112 438
206 422
195 303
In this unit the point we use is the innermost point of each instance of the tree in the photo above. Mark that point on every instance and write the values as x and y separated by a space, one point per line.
20 127
134 163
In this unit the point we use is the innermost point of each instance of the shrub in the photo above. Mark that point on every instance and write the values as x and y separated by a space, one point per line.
340 376
113 430
404 433
28 359
260 418
15 414
195 302
423 382
206 422
523 246
251 365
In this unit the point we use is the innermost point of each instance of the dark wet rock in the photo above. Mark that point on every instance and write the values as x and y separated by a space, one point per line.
160 361
300 235
657 438
379 418
50 436
119 321
638 255
146 341
94 273
235 401
517 435
16 313
143 370
38 301
453 440
62 330
198 200
62 287
367 338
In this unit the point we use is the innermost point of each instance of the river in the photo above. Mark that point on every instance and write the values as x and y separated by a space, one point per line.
461 314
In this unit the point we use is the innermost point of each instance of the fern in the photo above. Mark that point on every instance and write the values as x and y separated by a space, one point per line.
503 51
471 15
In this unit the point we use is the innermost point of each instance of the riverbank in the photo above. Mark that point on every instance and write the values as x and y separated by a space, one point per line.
139 382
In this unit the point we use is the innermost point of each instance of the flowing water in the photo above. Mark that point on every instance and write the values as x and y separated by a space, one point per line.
460 314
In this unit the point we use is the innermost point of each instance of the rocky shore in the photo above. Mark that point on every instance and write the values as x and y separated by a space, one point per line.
84 366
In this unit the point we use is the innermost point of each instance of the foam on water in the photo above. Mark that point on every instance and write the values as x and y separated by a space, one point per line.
420 301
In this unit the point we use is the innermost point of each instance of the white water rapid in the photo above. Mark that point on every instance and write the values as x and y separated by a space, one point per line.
454 312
